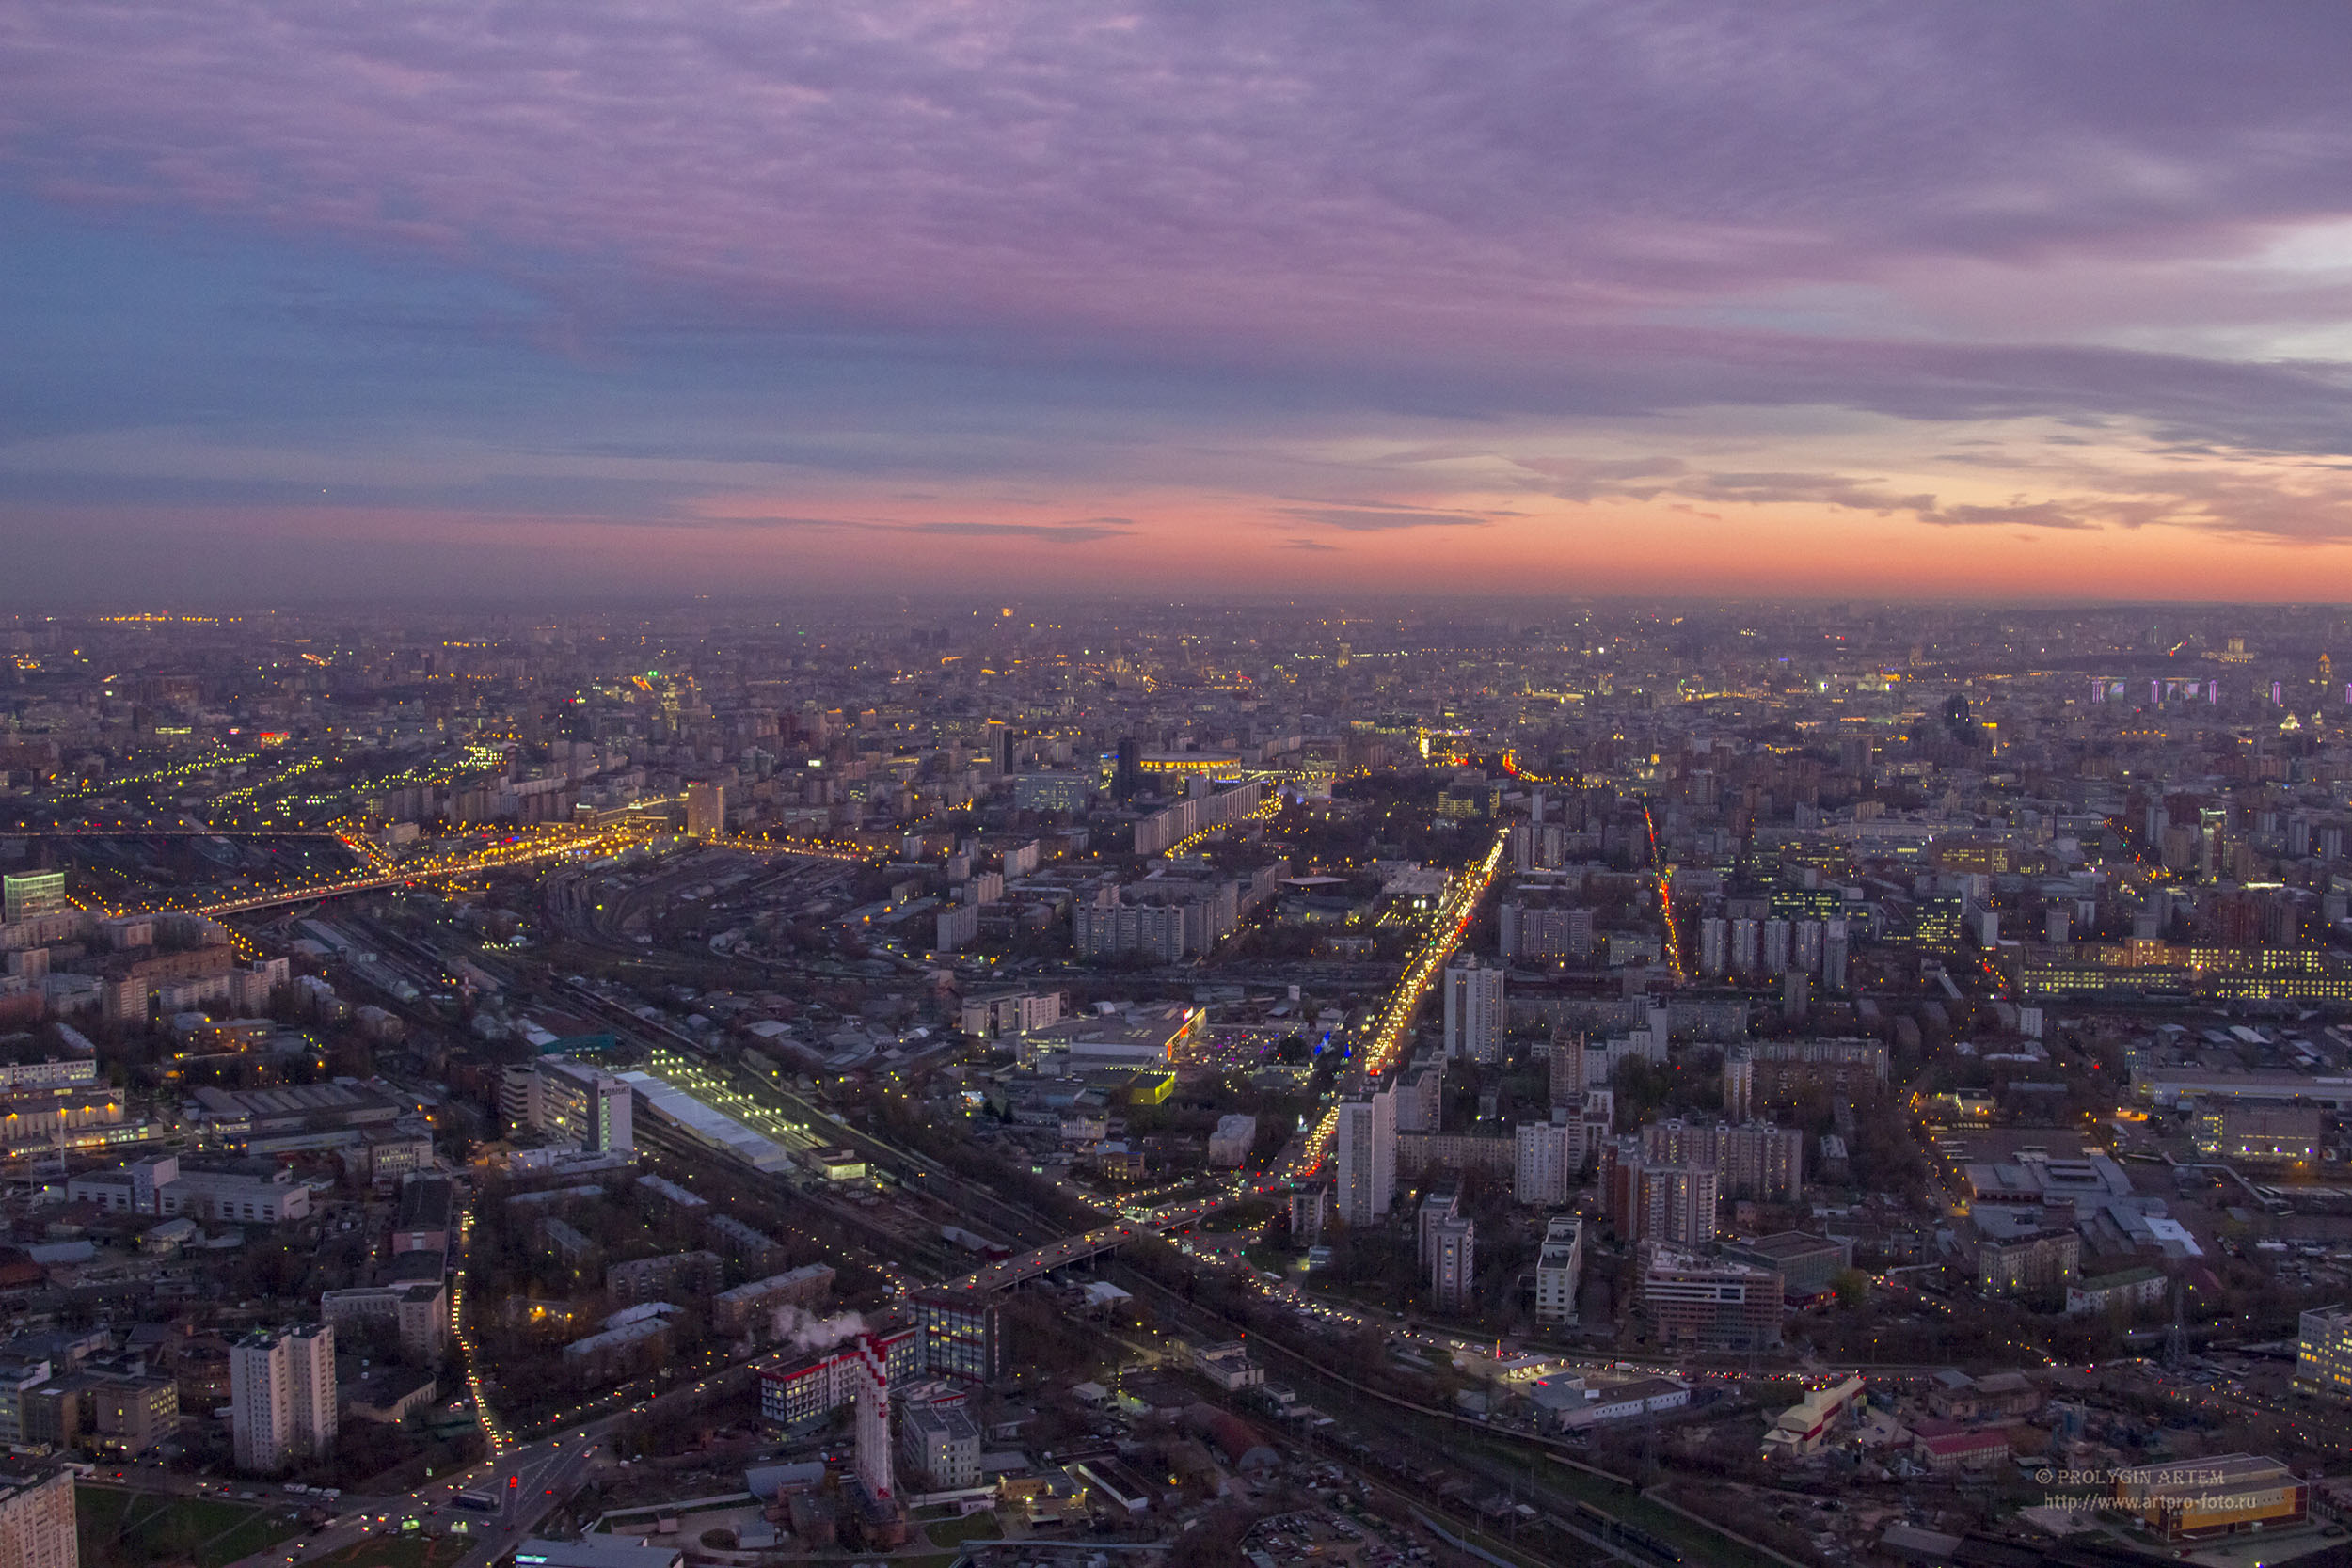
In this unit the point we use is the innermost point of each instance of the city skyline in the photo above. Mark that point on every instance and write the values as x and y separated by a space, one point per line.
1936 302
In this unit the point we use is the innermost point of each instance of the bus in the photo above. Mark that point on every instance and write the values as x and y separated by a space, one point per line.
480 1500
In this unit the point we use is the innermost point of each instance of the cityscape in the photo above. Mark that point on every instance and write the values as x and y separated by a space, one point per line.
1602 1084
1532 784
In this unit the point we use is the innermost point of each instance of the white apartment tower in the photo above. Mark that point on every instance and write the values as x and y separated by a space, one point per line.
1541 1169
1473 1011
1558 1266
1365 1158
281 1395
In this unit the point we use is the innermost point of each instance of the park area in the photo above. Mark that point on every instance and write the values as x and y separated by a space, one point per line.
122 1528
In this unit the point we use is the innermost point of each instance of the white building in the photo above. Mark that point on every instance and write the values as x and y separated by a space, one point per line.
1365 1158
281 1395
938 1438
571 1100
1559 1265
1229 1144
1540 1170
250 1192
1474 1016
37 1519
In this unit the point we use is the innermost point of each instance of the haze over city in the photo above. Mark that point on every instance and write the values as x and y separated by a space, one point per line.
1935 299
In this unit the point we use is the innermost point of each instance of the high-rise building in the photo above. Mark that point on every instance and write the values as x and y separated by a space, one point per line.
1420 1095
1558 1264
1540 1171
1753 1159
28 895
1452 1264
1474 1019
587 1108
706 811
1656 1201
1567 1068
38 1527
1714 947
2323 1359
281 1395
1527 930
1439 1204
1365 1158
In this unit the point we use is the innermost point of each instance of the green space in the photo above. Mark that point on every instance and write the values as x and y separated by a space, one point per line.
407 1550
983 1526
122 1528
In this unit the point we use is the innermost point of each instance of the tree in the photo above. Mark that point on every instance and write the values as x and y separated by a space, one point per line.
1853 1287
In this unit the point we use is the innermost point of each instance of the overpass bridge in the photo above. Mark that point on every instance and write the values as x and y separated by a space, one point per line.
1072 1249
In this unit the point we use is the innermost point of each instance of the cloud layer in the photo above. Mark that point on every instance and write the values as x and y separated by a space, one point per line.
1051 276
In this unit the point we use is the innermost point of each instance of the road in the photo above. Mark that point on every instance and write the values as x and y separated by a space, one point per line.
530 1481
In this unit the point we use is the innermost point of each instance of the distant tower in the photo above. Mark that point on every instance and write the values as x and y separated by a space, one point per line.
2176 1336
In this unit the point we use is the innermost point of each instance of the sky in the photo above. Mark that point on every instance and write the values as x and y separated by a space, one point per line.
537 298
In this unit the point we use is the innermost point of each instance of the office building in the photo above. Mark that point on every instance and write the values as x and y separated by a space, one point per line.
250 1192
1474 1018
1808 1265
281 1395
575 1103
2323 1354
963 1335
30 895
1559 1267
38 1527
1365 1158
1714 1303
1064 792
